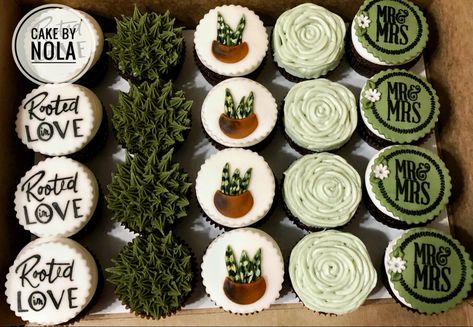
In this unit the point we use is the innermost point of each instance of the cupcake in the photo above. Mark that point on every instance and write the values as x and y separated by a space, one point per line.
321 190
62 54
239 112
230 41
397 107
151 117
62 119
235 188
407 186
51 281
153 276
386 34
307 42
331 272
319 115
148 193
57 197
243 271
147 47
427 271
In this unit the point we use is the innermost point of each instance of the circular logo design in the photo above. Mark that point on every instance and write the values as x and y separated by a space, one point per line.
53 44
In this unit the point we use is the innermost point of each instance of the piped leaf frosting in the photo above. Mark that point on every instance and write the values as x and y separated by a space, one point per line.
151 117
152 275
148 192
147 46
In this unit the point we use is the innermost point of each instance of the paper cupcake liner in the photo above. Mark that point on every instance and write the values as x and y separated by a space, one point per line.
308 228
365 67
385 219
96 144
214 78
298 148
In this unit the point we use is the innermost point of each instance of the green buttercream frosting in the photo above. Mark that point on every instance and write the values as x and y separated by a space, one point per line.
410 182
331 272
322 190
394 31
430 270
151 117
147 46
308 41
152 275
407 109
148 192
320 115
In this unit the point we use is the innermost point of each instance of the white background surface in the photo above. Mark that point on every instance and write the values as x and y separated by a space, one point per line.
107 238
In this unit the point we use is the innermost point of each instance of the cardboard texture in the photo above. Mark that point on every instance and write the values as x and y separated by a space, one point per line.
449 62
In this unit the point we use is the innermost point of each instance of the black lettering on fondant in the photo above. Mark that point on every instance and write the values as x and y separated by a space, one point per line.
56 107
400 107
53 186
428 271
71 297
56 303
409 188
389 29
37 301
29 272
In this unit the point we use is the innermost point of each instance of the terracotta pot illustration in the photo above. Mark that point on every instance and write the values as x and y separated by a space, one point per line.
238 128
233 206
229 53
244 293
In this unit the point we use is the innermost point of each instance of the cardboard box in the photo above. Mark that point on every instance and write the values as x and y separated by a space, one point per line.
449 62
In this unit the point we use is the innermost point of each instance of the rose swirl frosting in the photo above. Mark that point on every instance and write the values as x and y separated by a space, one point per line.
331 272
322 190
320 115
308 41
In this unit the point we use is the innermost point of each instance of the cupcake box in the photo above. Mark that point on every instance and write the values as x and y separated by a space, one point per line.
276 153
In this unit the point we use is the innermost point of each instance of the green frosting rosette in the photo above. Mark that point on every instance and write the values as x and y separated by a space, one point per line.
409 183
394 31
152 275
399 106
322 190
331 272
320 115
428 271
308 41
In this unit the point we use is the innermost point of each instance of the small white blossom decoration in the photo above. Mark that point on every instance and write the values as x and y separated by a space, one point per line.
372 95
381 171
396 265
363 21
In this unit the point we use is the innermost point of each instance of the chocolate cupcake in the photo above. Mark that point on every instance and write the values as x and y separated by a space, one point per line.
151 117
407 186
148 193
397 107
232 199
230 41
39 298
147 47
319 115
386 34
153 276
331 272
321 190
243 271
307 42
62 119
247 116
427 271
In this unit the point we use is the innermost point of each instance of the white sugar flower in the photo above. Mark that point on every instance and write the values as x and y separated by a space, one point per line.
363 21
372 95
396 265
381 171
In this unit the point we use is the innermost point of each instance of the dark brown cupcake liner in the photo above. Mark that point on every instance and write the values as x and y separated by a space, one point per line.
96 73
308 228
213 78
385 219
298 148
256 224
291 77
171 75
363 66
96 144
194 268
